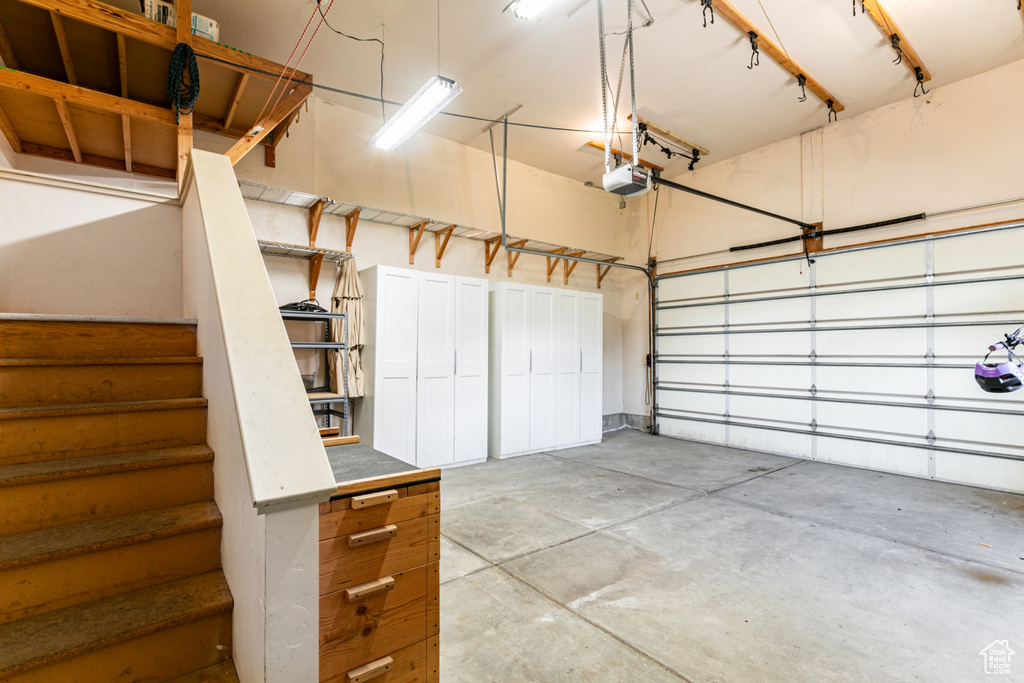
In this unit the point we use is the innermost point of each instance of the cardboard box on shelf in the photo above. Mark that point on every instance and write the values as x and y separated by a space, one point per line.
165 13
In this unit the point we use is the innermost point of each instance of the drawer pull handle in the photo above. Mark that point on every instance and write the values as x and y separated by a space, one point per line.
372 536
371 670
365 590
379 498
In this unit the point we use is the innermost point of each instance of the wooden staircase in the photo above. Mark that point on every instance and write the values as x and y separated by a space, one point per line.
109 536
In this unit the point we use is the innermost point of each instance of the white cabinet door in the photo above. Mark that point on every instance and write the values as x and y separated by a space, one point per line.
591 385
514 310
435 414
568 362
543 331
470 369
394 418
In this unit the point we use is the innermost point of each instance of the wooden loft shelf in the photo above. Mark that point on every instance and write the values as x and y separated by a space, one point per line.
87 82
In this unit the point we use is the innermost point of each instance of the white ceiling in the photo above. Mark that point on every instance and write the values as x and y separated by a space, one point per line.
691 80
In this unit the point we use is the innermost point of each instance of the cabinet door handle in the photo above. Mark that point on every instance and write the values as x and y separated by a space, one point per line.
372 536
369 671
365 590
378 498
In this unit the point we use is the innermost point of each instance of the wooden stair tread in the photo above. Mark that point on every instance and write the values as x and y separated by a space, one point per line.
223 672
117 360
41 545
47 638
100 408
86 466
82 339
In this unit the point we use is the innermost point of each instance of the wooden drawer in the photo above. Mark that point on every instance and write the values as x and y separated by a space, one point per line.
408 665
343 519
356 630
353 558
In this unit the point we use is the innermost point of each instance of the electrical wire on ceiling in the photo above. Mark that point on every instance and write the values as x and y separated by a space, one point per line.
383 115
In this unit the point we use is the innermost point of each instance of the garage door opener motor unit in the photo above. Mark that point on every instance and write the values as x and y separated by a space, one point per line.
1002 377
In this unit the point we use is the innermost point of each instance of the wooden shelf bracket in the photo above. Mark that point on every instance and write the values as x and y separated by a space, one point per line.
316 212
567 269
441 243
415 234
351 223
490 251
602 271
513 256
553 262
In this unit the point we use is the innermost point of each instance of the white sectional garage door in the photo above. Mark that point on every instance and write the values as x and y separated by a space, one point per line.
864 358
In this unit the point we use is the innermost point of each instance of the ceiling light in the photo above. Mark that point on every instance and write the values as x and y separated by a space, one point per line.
531 9
424 105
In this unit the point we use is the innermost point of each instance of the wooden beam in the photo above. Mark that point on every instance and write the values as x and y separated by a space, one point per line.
553 262
62 43
513 257
69 128
94 160
83 97
600 146
775 52
351 223
263 128
236 97
889 29
441 244
602 271
6 53
415 234
567 269
668 135
270 156
183 8
134 25
126 122
314 273
491 246
281 130
8 130
316 212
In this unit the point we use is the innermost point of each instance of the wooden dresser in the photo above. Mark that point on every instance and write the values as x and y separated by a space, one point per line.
379 607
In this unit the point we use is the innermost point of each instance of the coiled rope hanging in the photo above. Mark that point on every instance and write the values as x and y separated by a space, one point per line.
183 93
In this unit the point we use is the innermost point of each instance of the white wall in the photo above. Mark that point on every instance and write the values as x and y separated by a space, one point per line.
438 179
71 250
6 153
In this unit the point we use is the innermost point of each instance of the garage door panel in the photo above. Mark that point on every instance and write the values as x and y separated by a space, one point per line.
970 343
898 459
688 429
871 305
882 422
775 409
790 311
694 374
769 278
699 345
711 404
960 384
788 377
978 427
702 316
996 473
904 261
691 287
770 344
996 249
981 298
853 343
783 443
877 382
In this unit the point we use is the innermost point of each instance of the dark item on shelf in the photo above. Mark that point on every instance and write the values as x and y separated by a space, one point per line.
308 306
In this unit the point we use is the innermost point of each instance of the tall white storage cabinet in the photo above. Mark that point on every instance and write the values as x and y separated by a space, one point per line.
425 363
545 367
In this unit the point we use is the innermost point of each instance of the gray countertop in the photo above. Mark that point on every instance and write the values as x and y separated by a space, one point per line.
356 461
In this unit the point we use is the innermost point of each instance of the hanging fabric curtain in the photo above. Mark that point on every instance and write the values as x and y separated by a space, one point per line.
348 299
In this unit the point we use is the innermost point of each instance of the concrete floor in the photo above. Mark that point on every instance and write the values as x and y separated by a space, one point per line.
652 559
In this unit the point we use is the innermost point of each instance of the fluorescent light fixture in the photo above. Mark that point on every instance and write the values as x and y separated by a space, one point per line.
424 105
531 9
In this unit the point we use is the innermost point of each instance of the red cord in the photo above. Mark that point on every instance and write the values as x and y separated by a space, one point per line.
295 68
278 81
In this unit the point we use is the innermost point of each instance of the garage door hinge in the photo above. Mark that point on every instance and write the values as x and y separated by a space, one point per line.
814 390
727 416
814 425
930 356
931 437
930 396
726 385
813 355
